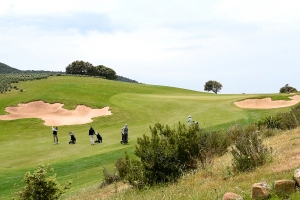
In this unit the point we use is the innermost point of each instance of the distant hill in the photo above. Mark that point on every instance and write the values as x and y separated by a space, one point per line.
5 69
124 79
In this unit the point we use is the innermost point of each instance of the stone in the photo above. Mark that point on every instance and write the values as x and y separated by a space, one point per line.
284 188
297 176
260 191
231 196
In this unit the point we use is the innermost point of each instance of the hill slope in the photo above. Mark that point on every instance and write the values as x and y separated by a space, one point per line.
26 142
5 69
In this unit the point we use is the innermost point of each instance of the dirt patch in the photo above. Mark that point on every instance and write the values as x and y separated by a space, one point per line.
54 114
267 103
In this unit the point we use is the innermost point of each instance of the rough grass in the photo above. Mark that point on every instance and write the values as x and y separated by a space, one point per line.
217 179
24 143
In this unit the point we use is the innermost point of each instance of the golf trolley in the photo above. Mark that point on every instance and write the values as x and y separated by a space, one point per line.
124 138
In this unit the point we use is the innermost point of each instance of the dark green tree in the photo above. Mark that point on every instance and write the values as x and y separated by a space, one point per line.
212 86
287 89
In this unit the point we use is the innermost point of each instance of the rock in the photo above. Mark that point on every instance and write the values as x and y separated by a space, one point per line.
231 196
284 188
260 191
297 176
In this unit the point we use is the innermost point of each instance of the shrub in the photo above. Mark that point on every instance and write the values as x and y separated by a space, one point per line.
108 177
169 153
270 122
287 121
287 89
249 153
40 186
296 113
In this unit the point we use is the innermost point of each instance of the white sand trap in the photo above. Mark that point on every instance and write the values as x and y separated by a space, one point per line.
54 114
267 103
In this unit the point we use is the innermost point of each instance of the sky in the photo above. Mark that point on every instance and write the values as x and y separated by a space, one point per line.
249 46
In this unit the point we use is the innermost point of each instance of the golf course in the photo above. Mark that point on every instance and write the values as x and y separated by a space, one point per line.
26 142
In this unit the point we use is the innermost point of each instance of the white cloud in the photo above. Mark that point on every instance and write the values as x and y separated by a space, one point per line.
34 7
259 11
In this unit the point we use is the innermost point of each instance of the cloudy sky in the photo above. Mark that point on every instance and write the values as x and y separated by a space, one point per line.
249 46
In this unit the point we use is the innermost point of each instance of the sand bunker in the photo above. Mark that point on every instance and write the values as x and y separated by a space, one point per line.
267 103
54 114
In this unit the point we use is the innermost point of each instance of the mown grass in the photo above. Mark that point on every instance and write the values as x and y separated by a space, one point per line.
26 142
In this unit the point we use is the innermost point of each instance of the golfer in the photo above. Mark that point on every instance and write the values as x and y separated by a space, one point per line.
55 138
189 120
91 134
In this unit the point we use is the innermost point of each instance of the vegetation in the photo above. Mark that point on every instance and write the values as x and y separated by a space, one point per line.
124 79
214 86
5 69
86 68
6 80
26 142
287 89
41 186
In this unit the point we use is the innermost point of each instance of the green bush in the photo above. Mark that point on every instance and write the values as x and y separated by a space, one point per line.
296 113
108 177
169 153
249 152
40 186
287 121
270 122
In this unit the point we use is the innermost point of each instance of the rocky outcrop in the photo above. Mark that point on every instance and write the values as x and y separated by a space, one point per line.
260 191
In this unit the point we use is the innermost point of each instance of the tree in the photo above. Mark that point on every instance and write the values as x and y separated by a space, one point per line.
212 86
86 68
106 72
287 89
40 186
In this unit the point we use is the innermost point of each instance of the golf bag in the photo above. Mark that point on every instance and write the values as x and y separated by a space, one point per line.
73 139
124 138
99 138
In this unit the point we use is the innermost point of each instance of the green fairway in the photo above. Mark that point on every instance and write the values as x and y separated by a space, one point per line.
24 143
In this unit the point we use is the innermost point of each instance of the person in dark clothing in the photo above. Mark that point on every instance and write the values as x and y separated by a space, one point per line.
73 138
124 134
55 138
91 134
99 138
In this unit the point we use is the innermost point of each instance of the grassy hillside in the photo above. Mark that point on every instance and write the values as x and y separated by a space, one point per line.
213 182
26 142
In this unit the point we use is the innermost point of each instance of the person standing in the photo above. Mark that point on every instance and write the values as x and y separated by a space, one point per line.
125 134
189 120
91 134
55 138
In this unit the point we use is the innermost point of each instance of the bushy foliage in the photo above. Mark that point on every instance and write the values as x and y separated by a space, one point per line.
41 186
296 113
170 152
109 177
287 89
214 86
287 121
86 68
6 80
270 122
249 152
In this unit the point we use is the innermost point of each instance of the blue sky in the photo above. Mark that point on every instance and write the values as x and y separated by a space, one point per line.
247 46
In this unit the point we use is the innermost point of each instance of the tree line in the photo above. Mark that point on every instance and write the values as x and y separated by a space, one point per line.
86 68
